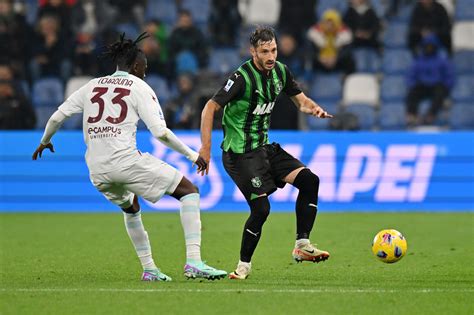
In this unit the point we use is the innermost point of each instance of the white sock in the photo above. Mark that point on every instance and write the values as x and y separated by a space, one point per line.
139 237
302 242
244 264
191 222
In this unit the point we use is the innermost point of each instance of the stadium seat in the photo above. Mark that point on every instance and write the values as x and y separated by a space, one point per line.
130 29
464 62
326 86
395 35
163 10
75 83
31 10
25 88
392 116
463 35
404 13
160 86
464 89
462 116
48 92
379 8
43 114
323 5
396 61
199 9
361 97
314 123
186 61
367 60
264 12
366 115
393 88
361 88
224 60
464 10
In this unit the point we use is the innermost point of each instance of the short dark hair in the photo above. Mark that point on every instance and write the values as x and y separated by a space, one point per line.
262 34
124 51
184 12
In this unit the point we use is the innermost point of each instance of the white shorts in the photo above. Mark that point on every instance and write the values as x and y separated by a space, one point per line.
149 178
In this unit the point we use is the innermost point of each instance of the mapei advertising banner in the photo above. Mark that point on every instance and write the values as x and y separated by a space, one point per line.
359 171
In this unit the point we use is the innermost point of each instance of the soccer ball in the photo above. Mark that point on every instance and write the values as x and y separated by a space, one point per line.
389 246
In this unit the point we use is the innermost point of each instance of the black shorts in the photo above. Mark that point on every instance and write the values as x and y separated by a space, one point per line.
260 171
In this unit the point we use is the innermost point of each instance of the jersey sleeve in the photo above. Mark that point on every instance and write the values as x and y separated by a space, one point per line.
233 89
291 87
149 108
74 103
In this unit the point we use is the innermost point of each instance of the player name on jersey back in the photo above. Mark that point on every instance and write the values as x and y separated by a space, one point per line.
116 81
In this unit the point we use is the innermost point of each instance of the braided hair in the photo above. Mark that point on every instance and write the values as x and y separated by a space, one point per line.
125 51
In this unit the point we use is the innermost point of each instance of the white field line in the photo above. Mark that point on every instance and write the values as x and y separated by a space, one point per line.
217 290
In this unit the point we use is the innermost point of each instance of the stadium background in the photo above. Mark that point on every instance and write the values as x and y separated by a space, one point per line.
382 165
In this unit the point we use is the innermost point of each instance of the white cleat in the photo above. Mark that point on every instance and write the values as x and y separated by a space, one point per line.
242 271
309 252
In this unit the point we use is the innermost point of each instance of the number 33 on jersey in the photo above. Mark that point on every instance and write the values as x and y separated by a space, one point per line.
112 107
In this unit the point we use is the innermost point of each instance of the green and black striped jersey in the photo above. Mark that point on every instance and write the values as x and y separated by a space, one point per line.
248 99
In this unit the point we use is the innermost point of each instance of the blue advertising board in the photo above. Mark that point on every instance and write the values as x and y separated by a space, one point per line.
359 171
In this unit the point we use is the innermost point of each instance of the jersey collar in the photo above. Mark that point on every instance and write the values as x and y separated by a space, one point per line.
120 73
262 72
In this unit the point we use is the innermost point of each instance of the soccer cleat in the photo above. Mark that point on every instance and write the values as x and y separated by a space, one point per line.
201 270
309 252
154 275
242 271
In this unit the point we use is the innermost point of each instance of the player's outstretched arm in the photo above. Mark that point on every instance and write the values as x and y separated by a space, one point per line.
207 119
168 138
53 125
308 106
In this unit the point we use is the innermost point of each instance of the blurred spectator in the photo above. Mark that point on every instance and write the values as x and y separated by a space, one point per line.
61 10
50 50
16 111
224 22
91 16
430 76
429 17
14 37
127 11
180 112
264 12
285 113
85 54
296 19
107 37
289 54
187 37
155 48
331 39
360 17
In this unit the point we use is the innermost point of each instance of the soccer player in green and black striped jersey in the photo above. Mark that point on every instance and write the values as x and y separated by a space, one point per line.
257 167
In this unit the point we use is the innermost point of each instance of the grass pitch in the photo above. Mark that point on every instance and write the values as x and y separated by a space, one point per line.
85 264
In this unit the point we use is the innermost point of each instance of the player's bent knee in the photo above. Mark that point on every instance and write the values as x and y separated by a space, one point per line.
260 207
306 180
131 207
130 210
